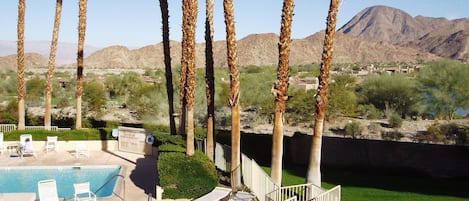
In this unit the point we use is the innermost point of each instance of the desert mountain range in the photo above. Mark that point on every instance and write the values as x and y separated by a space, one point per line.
376 34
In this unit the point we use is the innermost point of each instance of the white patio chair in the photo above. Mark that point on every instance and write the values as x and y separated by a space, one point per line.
81 149
26 142
2 143
47 190
51 144
83 192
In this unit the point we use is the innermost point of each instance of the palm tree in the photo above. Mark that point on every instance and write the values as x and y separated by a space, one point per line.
167 64
232 58
189 9
280 90
50 73
314 171
20 60
80 65
209 79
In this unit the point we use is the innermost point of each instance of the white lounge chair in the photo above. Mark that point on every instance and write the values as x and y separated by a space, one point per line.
81 149
47 190
83 192
2 143
26 142
51 144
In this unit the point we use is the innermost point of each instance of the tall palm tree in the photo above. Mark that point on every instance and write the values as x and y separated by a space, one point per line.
20 61
189 8
50 73
232 57
314 171
80 62
281 89
183 89
209 79
167 64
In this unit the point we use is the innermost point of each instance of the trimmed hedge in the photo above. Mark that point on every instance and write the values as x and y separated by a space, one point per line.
183 176
81 134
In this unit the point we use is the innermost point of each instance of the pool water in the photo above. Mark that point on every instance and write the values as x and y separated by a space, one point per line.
25 179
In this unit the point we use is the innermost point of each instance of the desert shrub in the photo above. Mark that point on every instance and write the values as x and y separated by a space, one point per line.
183 176
435 134
374 128
455 133
369 111
447 133
395 121
391 135
353 129
9 112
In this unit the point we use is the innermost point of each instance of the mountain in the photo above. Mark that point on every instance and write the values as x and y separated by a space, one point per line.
259 49
440 36
31 60
66 52
376 34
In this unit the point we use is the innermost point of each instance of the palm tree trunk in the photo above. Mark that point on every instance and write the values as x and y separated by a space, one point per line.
20 60
314 171
183 90
209 79
281 90
80 62
232 58
50 73
189 8
167 64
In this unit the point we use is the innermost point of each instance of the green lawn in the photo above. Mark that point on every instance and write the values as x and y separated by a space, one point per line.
360 185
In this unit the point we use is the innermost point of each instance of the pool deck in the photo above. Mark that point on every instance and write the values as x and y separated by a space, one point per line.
140 171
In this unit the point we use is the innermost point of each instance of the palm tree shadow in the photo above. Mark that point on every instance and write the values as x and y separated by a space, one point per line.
145 174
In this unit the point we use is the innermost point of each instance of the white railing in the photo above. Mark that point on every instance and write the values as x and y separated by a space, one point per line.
300 192
255 178
332 194
261 185
7 127
52 128
13 127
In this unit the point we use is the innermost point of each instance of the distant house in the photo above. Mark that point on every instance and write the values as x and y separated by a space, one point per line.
307 83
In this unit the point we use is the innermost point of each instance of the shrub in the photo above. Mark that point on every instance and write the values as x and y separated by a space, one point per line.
171 148
370 112
458 134
82 134
163 138
353 129
184 176
395 121
391 135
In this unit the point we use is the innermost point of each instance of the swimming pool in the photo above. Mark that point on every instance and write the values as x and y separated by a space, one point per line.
24 179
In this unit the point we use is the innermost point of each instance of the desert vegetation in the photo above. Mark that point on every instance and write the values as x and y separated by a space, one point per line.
435 91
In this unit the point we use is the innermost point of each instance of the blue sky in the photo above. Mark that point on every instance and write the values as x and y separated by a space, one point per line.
137 23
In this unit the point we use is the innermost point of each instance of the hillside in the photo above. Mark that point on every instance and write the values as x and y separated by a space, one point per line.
31 60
